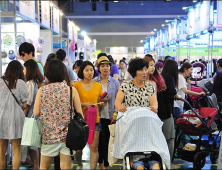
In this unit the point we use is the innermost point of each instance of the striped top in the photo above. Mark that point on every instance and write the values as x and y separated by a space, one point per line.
140 130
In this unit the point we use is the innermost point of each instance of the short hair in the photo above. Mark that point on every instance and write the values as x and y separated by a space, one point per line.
122 61
33 72
55 71
77 64
149 56
167 57
50 57
185 65
111 59
220 62
27 48
82 67
101 54
135 65
60 54
13 72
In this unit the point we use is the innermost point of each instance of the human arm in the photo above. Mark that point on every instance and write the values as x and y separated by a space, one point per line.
153 103
36 110
76 101
119 101
191 92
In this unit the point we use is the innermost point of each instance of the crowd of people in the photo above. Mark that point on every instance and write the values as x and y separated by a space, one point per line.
43 91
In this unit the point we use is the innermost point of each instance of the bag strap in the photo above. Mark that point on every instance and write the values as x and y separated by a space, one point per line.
11 92
71 152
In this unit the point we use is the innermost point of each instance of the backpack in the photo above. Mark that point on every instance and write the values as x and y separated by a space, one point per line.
78 131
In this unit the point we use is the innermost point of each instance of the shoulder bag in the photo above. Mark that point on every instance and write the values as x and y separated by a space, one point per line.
78 130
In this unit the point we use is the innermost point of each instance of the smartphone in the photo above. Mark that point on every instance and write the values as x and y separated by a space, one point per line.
104 95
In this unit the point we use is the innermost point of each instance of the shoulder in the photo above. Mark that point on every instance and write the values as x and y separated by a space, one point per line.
96 79
168 77
76 84
21 82
97 84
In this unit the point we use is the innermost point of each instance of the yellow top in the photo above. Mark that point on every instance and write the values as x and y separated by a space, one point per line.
89 96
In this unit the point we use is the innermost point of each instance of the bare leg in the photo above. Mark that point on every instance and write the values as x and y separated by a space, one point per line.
16 150
94 151
156 166
65 161
78 156
34 154
46 162
3 149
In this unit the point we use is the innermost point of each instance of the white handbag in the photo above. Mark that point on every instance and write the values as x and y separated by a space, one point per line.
111 159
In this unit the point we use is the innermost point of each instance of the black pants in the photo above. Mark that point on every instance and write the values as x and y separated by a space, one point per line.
57 163
104 142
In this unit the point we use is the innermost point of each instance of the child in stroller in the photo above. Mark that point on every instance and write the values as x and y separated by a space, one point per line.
140 130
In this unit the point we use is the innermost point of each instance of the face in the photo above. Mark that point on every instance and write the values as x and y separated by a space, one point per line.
24 70
122 65
141 74
151 68
26 56
104 68
160 69
88 72
188 71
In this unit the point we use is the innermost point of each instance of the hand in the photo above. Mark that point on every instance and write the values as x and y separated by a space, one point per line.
122 108
87 104
101 104
202 94
105 99
113 119
153 109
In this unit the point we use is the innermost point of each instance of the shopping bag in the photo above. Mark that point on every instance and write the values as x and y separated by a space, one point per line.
111 159
90 117
32 132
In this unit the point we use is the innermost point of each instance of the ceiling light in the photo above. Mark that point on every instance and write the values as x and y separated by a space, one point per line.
115 1
154 29
152 32
141 41
61 13
163 25
83 33
184 8
194 0
51 4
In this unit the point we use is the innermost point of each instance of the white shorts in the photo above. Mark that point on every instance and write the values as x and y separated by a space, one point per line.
54 149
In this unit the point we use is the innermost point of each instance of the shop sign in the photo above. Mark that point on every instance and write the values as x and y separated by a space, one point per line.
45 13
119 50
183 30
146 45
194 51
27 8
165 37
198 18
172 31
56 20
139 50
219 12
152 43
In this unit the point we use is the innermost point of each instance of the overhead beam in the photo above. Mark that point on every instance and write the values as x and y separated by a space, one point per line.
119 33
123 16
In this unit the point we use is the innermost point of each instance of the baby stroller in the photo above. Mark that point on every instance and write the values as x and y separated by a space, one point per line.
206 116
139 133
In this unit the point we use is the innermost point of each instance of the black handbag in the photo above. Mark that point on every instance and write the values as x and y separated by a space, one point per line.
78 130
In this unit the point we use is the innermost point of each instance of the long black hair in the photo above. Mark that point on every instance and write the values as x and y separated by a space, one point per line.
171 68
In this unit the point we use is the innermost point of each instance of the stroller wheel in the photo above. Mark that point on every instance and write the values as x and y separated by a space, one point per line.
199 160
214 156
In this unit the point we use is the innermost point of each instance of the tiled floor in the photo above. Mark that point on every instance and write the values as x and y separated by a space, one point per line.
180 164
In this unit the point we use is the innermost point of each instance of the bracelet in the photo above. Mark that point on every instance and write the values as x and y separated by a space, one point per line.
115 114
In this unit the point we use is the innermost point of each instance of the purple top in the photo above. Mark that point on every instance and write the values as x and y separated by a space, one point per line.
217 87
114 70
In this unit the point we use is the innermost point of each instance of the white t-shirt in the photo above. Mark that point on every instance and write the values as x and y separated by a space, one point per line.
105 110
181 84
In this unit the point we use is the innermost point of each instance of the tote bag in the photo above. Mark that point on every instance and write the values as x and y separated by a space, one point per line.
111 159
32 132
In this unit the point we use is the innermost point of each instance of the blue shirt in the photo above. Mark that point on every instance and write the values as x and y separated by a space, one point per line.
112 89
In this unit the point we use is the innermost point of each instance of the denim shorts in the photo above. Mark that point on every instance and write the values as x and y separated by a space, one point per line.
140 163
98 127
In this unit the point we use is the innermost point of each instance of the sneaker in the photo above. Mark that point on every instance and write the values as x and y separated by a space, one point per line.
79 167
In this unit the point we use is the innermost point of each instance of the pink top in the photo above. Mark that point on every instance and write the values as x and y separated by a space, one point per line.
55 112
